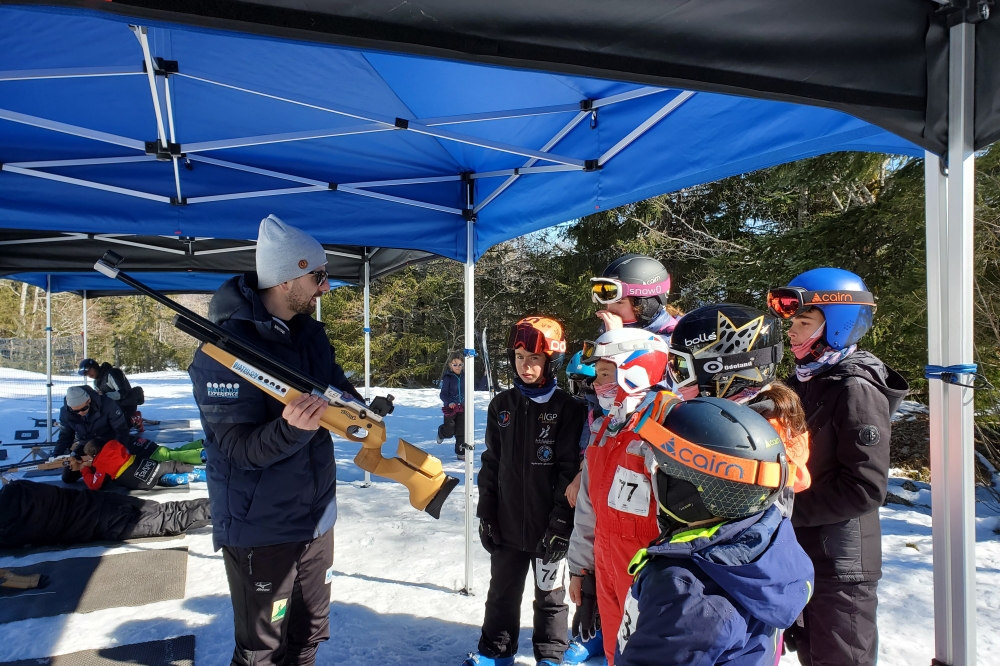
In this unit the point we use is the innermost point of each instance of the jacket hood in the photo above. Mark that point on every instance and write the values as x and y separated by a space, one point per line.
756 560
238 298
869 367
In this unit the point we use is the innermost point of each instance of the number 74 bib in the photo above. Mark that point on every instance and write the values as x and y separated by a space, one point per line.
630 492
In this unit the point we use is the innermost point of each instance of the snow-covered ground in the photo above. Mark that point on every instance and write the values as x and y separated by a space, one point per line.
395 596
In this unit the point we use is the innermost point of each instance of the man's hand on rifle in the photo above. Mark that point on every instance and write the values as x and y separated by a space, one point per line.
76 464
305 411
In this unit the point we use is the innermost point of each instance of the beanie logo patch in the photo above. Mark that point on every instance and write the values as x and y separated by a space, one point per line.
303 264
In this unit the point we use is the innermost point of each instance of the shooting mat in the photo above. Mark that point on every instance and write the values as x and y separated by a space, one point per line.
170 652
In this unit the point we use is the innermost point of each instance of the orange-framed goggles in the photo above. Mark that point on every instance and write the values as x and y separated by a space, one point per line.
776 474
786 302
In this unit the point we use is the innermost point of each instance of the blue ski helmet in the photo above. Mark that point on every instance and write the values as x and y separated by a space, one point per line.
845 323
577 370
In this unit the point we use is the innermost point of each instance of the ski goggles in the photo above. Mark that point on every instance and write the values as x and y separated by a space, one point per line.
608 290
684 369
533 341
595 351
786 302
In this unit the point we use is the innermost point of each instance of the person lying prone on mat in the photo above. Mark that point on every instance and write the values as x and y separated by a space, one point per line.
113 461
42 514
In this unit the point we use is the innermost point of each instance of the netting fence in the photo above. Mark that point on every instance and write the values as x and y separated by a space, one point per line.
22 366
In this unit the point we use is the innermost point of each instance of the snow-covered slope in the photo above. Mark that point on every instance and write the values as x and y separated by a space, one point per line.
395 596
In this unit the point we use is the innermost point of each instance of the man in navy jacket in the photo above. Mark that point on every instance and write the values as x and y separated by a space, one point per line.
271 468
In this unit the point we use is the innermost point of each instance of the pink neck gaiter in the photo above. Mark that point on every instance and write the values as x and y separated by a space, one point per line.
800 351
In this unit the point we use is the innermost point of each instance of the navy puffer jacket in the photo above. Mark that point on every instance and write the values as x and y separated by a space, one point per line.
268 481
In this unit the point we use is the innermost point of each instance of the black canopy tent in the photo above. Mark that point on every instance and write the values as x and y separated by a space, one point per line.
24 251
885 62
922 69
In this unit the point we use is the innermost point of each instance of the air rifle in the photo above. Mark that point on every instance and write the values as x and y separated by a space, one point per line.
34 465
419 471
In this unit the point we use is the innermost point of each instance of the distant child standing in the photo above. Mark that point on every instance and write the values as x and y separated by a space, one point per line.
453 397
525 521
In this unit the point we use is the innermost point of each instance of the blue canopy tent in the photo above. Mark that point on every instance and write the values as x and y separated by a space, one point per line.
119 118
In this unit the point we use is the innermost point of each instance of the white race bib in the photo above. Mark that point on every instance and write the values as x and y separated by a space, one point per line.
550 576
630 492
630 618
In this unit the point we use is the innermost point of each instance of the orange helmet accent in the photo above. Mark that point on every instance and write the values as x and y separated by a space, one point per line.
537 335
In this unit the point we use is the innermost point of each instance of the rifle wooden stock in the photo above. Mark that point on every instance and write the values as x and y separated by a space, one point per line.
419 471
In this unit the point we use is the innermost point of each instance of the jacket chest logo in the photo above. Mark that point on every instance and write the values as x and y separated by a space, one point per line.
504 418
548 418
544 432
223 390
545 454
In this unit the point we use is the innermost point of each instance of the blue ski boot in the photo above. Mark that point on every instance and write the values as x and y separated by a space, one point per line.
197 475
476 659
174 480
579 652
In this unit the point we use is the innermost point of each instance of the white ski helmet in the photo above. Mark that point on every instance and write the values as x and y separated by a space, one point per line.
641 360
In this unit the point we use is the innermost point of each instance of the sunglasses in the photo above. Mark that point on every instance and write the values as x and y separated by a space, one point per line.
320 275
786 302
80 410
608 290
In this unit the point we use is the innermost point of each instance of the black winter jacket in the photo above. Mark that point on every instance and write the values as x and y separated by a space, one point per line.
268 481
42 514
111 382
848 409
104 421
532 454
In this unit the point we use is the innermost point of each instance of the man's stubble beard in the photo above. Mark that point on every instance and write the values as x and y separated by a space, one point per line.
301 302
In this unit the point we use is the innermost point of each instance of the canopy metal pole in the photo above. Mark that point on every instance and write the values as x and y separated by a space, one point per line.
950 235
368 343
85 324
48 357
470 373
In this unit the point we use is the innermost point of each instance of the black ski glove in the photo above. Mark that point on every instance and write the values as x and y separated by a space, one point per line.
555 541
489 535
553 546
586 620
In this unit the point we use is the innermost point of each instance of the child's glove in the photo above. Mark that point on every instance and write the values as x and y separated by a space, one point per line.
586 620
489 535
555 541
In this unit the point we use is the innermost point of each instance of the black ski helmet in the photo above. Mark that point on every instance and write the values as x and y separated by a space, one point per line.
86 364
640 269
714 458
725 349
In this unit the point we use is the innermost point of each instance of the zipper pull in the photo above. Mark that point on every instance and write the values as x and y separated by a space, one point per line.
250 561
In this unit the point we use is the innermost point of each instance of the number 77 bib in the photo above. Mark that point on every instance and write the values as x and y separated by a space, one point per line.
630 492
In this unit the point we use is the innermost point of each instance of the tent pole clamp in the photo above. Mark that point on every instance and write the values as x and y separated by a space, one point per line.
964 11
163 67
164 153
588 105
591 165
469 212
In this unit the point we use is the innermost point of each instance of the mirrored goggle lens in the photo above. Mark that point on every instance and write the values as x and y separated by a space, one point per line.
783 303
527 338
679 369
589 348
606 292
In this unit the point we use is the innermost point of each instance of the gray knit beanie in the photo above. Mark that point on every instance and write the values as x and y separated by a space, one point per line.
76 396
285 253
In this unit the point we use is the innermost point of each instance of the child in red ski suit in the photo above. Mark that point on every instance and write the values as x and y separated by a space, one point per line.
616 510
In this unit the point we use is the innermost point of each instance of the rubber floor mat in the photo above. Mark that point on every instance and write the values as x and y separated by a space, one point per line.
31 550
87 584
170 652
